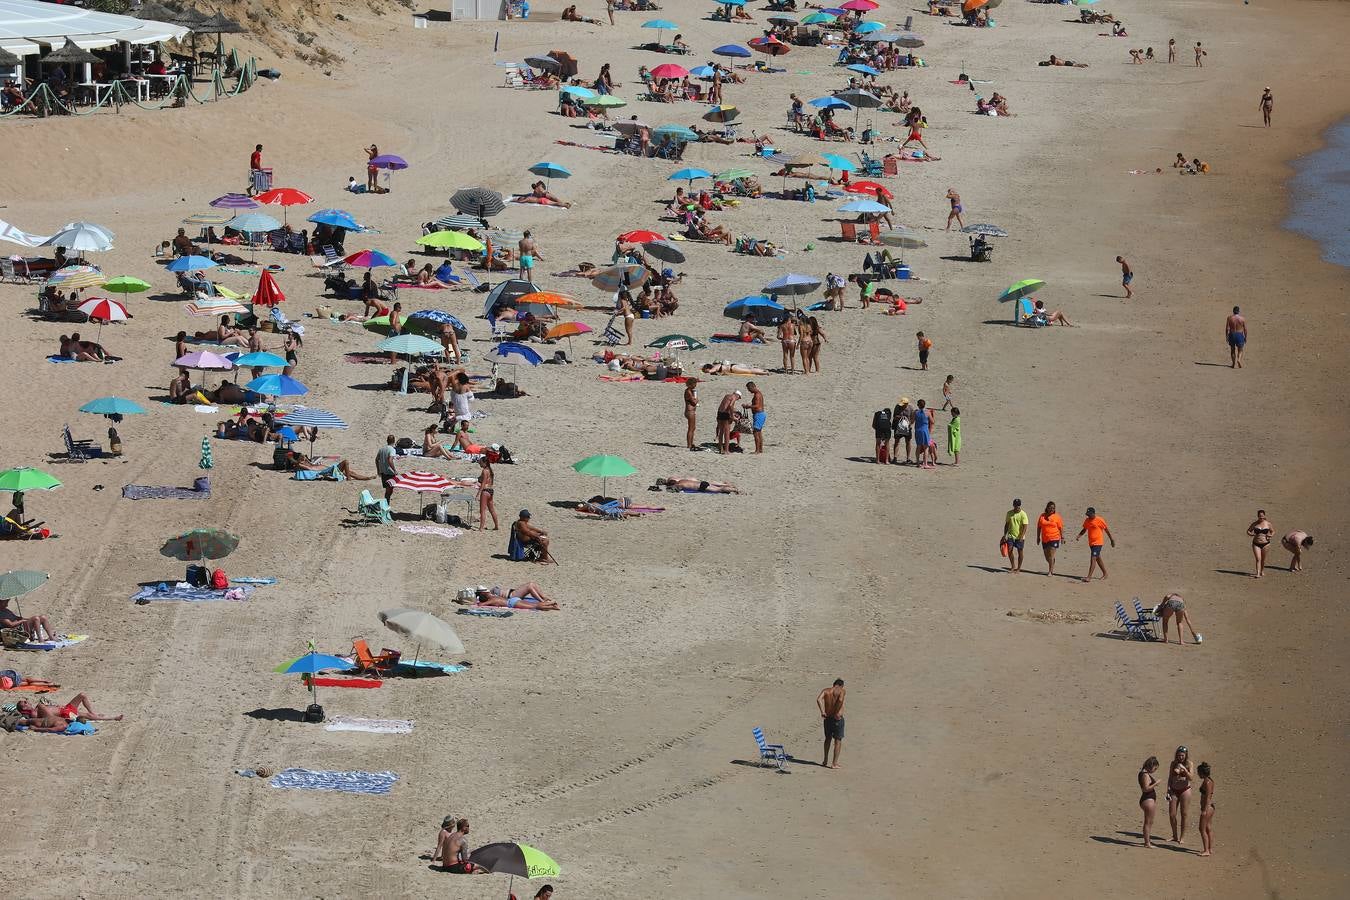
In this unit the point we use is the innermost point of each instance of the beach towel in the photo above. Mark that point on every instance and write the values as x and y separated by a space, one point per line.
249 270
374 726
35 688
346 782
56 643
444 531
190 594
633 376
367 358
321 681
733 339
422 667
59 359
523 200
490 612
250 580
147 492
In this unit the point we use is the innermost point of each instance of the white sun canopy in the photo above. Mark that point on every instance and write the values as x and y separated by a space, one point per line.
26 24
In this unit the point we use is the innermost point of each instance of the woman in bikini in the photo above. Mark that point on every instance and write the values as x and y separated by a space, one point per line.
690 411
527 596
806 344
1179 792
818 337
1207 808
487 480
696 486
1260 531
787 337
289 346
626 310
1148 795
956 210
731 368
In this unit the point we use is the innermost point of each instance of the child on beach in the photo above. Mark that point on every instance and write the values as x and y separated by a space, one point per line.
947 398
954 437
924 346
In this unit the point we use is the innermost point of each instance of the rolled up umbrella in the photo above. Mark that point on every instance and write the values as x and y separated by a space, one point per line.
268 292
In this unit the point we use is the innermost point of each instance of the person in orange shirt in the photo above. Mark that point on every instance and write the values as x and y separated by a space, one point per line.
1049 533
1094 526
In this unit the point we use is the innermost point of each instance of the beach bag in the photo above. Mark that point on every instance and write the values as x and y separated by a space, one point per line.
197 576
219 580
202 485
881 423
1003 546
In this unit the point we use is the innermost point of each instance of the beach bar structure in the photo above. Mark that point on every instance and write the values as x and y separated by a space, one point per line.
31 28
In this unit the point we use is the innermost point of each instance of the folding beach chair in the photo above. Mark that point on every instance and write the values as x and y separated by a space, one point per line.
1133 628
367 663
870 167
775 753
1027 315
1146 618
12 530
612 336
79 451
372 510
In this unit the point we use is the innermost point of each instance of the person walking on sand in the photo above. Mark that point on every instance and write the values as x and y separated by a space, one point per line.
1126 276
1171 50
1148 796
947 398
1206 808
690 412
758 414
830 702
925 345
487 480
1260 531
528 254
1235 332
1049 533
1173 607
384 466
1267 105
726 413
956 209
1200 55
1179 792
609 8
1296 542
1094 526
1015 523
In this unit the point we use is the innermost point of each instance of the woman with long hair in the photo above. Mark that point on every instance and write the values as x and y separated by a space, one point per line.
1148 795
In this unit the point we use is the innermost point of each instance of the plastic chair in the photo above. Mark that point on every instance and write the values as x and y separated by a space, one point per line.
372 510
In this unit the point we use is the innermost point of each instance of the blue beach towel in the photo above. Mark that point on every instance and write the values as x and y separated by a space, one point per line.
149 492
347 782
191 595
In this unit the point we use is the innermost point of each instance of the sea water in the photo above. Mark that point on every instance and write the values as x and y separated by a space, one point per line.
1321 195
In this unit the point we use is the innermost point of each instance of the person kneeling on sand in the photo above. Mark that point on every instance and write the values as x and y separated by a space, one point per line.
696 486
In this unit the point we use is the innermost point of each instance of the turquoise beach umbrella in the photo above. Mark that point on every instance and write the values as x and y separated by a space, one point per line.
112 406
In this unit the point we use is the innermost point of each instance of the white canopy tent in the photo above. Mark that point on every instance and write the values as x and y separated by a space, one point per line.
27 25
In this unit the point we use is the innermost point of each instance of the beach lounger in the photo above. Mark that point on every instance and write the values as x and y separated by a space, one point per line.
775 753
80 451
870 167
1135 629
372 510
367 663
12 530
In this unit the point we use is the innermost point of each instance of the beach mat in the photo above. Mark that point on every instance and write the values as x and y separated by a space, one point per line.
152 492
444 531
491 612
36 688
251 580
346 782
732 339
61 640
346 682
190 595
373 726
426 667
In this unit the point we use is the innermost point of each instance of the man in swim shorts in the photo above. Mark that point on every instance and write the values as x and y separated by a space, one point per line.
726 411
758 415
1015 525
830 702
1126 276
1235 330
528 254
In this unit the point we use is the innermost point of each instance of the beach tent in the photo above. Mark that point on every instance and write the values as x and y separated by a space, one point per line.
29 28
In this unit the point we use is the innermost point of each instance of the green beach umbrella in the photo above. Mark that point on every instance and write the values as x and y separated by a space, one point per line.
604 467
409 345
380 324
605 100
734 174
25 478
450 240
125 284
515 859
1024 288
16 584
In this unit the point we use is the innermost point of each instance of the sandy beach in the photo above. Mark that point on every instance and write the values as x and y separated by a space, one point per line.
995 722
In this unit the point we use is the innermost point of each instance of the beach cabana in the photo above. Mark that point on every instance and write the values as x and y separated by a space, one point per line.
30 28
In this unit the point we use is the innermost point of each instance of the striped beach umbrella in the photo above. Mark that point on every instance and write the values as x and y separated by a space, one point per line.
234 201
75 277
104 309
210 307
421 482
309 417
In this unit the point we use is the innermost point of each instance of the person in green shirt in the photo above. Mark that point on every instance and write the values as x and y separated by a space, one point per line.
954 439
1015 525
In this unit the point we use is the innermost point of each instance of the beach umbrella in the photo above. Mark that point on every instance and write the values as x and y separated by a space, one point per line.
669 70
199 544
478 201
703 71
204 360
259 360
860 99
104 310
870 207
431 321
370 259
125 284
835 161
284 197
15 584
75 277
568 330
604 467
410 345
734 51
985 229
514 859
688 175
424 628
421 482
676 132
757 309
911 40
389 161
661 26
882 37
793 285
641 236
664 251
312 664
544 64
459 221
191 264
268 292
507 350
630 275
254 223
69 54
82 236
1015 291
26 478
204 307
867 28
729 2
903 238
862 69
859 5
547 298
277 385
578 91
631 126
450 240
828 103
969 6
234 201
549 170
336 218
870 187
769 45
312 418
678 342
786 21
721 114
606 101
819 18
734 175
112 406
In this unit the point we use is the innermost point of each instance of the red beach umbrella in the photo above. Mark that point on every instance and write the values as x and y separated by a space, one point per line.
268 292
284 197
870 187
641 236
669 70
769 45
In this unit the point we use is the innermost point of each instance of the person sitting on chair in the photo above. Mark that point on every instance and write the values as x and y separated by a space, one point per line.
532 537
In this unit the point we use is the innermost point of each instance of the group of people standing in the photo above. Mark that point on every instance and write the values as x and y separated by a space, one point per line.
916 426
1180 788
1262 533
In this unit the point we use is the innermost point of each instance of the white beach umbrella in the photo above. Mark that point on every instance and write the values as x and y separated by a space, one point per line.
85 237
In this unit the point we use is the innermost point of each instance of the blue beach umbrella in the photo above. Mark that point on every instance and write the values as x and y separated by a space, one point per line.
112 406
337 218
732 50
433 319
191 264
689 175
410 344
756 308
506 351
703 71
828 103
730 2
312 664
661 25
862 69
277 385
864 206
259 360
577 90
868 27
549 170
838 162
677 132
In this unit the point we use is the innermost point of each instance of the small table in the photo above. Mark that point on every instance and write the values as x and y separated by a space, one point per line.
97 88
142 87
459 495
